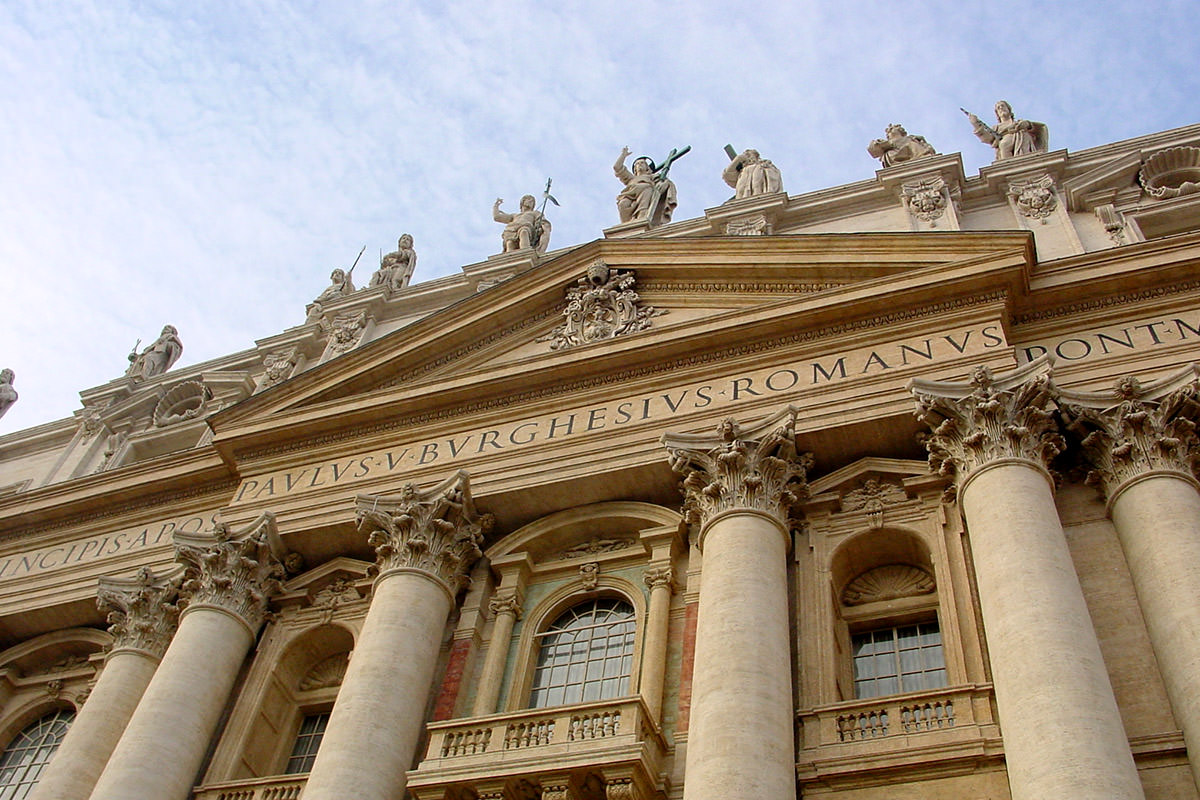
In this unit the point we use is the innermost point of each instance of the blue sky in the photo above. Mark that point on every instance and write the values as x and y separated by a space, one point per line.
207 164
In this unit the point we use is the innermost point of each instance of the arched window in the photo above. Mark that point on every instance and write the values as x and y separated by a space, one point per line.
27 755
586 654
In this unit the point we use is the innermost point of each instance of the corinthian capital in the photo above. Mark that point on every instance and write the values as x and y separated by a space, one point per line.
989 418
142 611
756 468
436 531
1136 428
508 603
237 571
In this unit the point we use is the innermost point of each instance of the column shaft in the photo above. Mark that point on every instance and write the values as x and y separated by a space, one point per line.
654 652
1063 735
1158 522
384 693
492 674
740 739
163 746
84 751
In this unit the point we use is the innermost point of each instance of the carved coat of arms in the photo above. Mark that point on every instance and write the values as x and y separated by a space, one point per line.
602 306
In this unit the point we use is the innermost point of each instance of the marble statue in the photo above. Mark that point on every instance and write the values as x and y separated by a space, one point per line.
648 193
1011 137
158 357
528 228
340 285
899 146
8 395
750 174
396 268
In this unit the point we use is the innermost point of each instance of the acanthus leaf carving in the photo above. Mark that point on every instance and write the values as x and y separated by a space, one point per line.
757 469
143 612
344 331
602 306
437 531
1034 198
657 575
237 571
278 367
926 200
989 418
1137 428
506 603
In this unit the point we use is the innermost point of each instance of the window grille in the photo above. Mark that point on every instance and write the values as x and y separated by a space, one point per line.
308 740
28 754
587 654
908 658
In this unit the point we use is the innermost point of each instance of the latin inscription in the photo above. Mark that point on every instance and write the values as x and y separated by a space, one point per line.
781 381
1101 342
98 547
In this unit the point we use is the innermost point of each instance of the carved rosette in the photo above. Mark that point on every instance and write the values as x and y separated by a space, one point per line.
436 531
756 469
1135 429
1034 198
659 575
237 571
989 418
507 603
602 306
142 612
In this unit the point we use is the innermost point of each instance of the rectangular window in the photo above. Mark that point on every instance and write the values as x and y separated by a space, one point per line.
896 660
304 752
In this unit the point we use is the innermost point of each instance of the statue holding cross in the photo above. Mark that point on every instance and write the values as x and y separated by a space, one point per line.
648 194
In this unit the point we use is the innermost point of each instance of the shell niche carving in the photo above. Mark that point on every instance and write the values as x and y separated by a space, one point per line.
184 401
887 583
1171 173
326 672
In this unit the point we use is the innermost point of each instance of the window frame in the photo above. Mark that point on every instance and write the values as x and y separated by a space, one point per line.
893 626
29 721
570 637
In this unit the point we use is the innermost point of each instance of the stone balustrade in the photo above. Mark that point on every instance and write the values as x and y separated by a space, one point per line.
613 739
941 718
278 787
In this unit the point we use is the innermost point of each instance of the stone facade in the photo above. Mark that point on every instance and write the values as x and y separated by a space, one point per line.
882 491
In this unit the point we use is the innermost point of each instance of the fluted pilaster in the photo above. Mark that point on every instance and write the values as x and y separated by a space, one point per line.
425 542
1142 444
739 485
1062 731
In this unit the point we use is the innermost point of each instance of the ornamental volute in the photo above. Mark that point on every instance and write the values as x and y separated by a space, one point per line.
142 612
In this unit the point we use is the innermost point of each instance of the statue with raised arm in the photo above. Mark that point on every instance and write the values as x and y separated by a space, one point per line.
396 268
158 357
750 174
648 193
899 146
526 229
339 286
8 395
1010 137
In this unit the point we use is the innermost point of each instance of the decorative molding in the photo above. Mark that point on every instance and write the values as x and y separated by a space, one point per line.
1135 429
325 673
622 376
278 367
1113 222
602 306
1122 299
757 469
237 571
757 225
344 331
759 287
436 531
889 582
1035 198
143 613
926 199
620 789
873 496
333 595
594 546
989 418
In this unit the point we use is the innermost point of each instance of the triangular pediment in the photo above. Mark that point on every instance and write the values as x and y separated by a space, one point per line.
696 294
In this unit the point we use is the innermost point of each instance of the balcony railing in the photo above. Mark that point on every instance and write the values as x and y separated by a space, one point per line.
277 787
616 740
888 731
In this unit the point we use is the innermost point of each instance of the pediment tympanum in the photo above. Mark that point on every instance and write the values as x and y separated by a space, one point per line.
736 292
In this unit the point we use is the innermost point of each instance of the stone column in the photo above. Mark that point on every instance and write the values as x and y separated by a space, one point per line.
230 576
661 582
142 620
1063 735
505 606
424 542
1141 441
739 486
